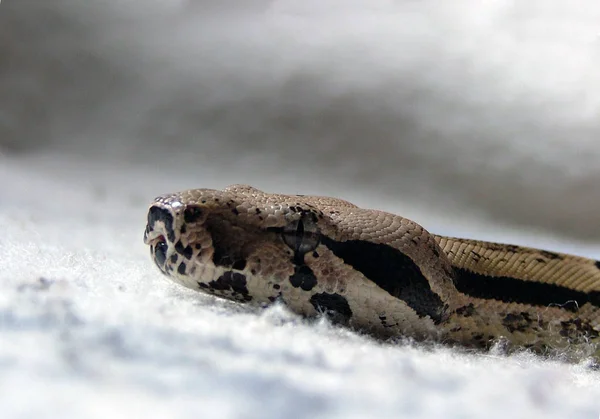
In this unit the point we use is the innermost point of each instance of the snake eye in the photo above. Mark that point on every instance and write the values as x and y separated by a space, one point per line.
302 236
160 250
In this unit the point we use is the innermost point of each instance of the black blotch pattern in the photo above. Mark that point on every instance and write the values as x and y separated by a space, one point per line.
334 305
303 277
183 229
466 311
220 256
392 271
181 268
550 255
192 213
597 264
233 281
513 290
160 214
384 322
179 247
239 264
187 252
517 322
174 258
576 330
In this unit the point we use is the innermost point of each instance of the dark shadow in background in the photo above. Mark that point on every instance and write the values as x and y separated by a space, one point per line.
411 114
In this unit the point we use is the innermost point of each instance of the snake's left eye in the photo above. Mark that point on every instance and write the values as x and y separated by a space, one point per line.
302 235
160 250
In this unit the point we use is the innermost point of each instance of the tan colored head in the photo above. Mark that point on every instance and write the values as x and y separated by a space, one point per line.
221 241
316 254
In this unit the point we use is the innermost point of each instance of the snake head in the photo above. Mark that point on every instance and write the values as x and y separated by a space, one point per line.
316 254
227 242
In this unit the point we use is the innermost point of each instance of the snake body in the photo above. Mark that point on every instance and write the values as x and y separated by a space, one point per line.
374 271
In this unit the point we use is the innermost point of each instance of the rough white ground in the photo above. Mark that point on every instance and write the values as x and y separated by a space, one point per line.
478 118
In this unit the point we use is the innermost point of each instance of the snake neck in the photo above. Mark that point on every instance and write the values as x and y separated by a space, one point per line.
527 297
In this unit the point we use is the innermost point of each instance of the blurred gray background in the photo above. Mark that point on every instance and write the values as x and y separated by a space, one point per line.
476 118
487 109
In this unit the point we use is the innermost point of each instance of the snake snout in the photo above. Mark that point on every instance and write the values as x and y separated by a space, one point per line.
176 234
160 234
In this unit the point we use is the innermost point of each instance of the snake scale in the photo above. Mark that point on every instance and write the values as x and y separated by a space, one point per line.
376 272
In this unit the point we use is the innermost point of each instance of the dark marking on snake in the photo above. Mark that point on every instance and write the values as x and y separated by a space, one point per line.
173 258
159 214
181 268
179 247
466 311
517 322
577 330
188 252
233 281
192 214
392 271
304 278
509 247
222 256
333 305
513 290
239 264
550 255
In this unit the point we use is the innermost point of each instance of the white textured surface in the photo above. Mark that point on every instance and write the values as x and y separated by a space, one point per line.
466 117
103 335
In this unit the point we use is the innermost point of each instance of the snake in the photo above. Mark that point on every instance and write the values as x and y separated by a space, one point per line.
375 272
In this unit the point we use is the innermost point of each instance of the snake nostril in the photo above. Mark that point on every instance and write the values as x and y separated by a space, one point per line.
160 250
